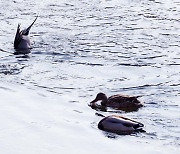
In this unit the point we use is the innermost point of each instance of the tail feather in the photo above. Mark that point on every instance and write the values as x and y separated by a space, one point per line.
138 125
18 37
26 31
140 130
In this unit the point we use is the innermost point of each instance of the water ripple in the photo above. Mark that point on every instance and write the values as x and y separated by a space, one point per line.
83 47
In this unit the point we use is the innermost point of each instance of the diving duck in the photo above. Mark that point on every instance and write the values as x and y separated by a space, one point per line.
120 125
121 102
22 43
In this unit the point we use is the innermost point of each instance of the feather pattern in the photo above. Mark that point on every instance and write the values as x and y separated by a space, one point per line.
120 102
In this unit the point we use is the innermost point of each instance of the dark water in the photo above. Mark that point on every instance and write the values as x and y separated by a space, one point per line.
83 47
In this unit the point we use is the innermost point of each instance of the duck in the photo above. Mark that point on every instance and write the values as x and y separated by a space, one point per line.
120 125
121 102
22 43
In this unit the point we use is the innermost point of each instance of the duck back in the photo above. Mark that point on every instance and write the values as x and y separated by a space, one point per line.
124 102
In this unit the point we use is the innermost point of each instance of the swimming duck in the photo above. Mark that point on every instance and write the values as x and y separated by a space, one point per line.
120 102
22 42
120 125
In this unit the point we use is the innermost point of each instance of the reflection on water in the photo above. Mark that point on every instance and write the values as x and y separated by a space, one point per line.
114 46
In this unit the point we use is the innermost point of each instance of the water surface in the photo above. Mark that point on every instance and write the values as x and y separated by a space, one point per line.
80 48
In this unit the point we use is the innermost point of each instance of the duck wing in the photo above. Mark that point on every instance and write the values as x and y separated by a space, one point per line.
127 122
124 102
137 126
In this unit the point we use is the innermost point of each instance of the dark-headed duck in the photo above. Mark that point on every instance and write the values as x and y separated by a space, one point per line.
120 125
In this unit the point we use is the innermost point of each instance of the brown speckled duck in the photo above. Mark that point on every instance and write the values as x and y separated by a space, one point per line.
120 125
120 102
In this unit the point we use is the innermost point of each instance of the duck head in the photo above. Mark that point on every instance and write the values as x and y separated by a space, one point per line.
100 97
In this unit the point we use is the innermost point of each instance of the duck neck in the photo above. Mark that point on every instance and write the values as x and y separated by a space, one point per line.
104 102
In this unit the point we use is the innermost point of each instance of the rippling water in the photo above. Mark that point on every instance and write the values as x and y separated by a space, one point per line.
82 47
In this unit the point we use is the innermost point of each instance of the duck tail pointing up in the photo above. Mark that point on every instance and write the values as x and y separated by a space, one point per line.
26 31
17 37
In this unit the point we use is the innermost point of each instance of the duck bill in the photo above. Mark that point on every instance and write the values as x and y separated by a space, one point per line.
93 103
